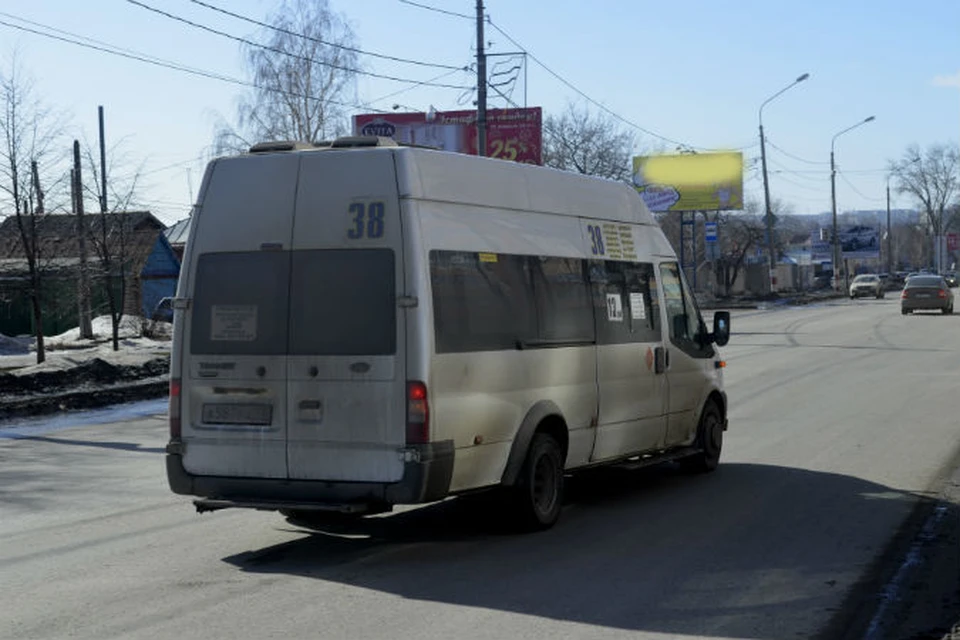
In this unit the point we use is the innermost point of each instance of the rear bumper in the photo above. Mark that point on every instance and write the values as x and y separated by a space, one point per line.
425 478
921 304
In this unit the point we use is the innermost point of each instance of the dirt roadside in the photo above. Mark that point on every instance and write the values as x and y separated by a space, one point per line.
91 384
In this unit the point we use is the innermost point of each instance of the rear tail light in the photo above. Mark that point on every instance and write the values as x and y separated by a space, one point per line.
903 296
418 413
941 293
174 410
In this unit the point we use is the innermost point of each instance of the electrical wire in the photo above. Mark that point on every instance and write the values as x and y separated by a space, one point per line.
382 56
857 191
790 155
102 47
295 56
438 10
412 87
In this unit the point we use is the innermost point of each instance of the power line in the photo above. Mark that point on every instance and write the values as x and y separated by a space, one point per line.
251 43
584 95
857 191
324 42
102 47
414 86
438 10
790 155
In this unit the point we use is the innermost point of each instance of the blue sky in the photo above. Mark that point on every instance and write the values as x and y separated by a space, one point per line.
691 71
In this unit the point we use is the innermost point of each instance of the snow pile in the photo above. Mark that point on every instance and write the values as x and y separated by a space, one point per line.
130 327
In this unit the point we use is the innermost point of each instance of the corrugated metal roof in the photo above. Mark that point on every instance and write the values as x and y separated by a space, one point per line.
178 232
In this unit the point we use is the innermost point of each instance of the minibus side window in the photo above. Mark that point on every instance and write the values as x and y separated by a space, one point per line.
562 300
625 302
481 301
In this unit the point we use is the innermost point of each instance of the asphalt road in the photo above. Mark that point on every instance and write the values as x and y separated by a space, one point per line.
843 416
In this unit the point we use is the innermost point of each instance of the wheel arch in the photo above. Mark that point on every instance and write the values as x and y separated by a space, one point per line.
719 399
543 417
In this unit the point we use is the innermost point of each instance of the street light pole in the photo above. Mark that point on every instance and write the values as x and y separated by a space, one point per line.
833 206
768 215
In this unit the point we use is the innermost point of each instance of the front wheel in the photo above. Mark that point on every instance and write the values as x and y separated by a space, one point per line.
538 494
709 442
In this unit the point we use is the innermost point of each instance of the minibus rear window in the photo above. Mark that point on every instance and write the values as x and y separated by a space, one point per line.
240 303
343 302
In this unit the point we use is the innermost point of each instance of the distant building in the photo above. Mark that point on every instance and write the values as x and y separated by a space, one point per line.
135 243
176 235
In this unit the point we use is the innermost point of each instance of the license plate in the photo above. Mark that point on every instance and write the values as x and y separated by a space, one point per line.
923 295
254 414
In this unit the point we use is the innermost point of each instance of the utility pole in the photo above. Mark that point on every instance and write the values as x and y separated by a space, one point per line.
83 294
767 213
889 234
833 208
481 86
103 164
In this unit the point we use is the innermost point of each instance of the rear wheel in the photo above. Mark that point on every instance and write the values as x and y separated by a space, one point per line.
709 441
904 311
947 311
538 495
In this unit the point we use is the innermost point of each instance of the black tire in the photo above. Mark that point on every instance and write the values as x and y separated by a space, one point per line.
538 495
904 312
709 441
947 311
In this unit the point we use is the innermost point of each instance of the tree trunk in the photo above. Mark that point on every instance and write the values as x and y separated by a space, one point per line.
35 303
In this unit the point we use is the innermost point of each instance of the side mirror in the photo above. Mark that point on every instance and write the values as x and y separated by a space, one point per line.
721 328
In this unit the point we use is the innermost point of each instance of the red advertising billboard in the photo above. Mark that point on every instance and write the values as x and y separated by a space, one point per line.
512 134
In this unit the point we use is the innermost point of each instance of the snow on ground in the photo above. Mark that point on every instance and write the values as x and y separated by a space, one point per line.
67 350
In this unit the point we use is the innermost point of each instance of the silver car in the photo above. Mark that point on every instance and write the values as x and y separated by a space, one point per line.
866 284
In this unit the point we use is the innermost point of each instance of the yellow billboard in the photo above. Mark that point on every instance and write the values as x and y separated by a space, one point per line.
690 182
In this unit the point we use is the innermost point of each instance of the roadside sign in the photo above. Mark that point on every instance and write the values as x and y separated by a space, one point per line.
710 231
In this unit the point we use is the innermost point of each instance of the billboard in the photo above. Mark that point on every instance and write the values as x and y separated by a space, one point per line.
859 242
690 182
512 134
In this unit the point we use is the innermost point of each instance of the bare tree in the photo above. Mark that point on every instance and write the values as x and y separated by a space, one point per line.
110 235
931 178
594 145
31 134
742 233
304 71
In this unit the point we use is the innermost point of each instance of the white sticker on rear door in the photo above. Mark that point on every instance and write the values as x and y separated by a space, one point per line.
233 322
638 310
614 307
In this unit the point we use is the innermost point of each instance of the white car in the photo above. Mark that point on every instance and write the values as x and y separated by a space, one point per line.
866 284
858 238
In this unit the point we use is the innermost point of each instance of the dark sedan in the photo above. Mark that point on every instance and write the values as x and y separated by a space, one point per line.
926 292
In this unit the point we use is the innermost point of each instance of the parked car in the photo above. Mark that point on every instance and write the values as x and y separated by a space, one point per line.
163 312
926 292
867 284
858 238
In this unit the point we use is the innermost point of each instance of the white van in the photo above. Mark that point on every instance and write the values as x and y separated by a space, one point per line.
359 325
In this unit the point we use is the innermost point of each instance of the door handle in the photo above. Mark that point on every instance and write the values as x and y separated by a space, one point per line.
661 359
